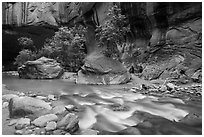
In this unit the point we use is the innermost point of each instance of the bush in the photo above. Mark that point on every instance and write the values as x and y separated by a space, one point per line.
67 47
26 43
24 56
112 32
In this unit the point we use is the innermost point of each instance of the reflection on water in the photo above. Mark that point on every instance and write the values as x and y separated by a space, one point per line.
106 108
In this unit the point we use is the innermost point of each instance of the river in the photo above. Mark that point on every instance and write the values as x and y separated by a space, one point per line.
112 109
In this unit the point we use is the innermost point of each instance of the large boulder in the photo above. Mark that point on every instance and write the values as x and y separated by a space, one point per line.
102 70
21 106
42 68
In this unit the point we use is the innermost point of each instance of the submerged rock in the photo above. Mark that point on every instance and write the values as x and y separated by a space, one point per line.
21 106
42 68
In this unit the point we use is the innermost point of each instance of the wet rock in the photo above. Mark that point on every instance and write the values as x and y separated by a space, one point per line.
7 97
42 68
58 109
170 86
51 97
89 132
163 88
5 105
69 122
51 126
18 132
42 120
130 131
21 106
22 123
70 107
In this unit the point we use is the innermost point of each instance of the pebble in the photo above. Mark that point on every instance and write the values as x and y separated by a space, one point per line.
51 97
5 105
18 132
42 120
51 126
170 86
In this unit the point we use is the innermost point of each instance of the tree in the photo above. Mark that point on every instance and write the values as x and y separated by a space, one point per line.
112 32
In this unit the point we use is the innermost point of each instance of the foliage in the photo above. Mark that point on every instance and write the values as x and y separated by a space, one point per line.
24 56
67 47
26 43
112 32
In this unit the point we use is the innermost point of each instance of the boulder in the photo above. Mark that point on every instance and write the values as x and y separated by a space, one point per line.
21 106
42 120
101 70
42 68
69 123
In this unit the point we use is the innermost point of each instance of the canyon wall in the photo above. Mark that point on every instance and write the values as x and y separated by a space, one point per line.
159 30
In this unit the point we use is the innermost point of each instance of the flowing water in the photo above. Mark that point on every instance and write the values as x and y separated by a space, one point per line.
111 109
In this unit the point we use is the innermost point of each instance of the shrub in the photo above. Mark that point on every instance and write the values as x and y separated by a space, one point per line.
112 32
67 47
24 56
26 43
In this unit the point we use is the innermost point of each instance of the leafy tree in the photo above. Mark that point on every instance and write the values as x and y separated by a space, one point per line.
67 47
112 32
